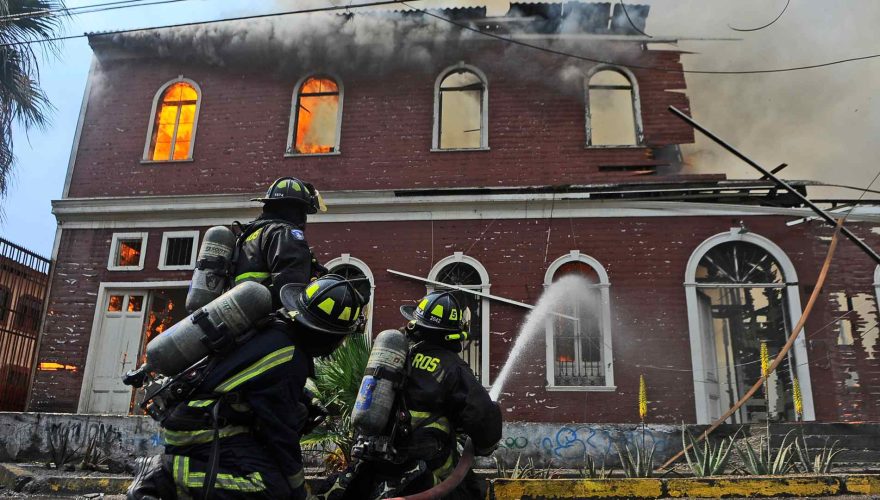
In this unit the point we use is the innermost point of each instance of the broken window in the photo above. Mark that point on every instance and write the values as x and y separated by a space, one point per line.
461 103
316 117
612 110
127 252
857 313
27 313
743 303
174 123
578 342
178 250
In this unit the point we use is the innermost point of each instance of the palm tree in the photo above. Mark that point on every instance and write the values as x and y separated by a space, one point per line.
23 22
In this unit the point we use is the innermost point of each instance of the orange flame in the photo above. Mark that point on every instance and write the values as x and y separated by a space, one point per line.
175 119
317 108
49 366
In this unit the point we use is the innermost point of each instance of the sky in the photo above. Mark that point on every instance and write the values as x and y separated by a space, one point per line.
822 122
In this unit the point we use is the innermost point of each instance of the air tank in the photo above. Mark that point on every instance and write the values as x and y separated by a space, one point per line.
210 276
376 395
233 313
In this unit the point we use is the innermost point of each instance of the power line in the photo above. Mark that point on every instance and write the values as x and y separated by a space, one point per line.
72 10
764 26
197 23
638 66
631 23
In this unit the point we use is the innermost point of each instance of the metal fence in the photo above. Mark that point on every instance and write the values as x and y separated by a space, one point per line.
24 282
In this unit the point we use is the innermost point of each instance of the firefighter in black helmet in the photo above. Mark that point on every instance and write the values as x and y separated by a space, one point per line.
272 249
242 425
443 397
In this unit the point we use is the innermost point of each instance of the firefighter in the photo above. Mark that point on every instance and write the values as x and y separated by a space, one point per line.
272 249
443 397
242 424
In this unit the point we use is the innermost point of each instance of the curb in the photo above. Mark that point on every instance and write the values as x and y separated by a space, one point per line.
18 479
745 486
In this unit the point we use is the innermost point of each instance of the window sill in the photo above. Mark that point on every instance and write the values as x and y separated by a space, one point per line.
301 155
438 150
152 162
125 268
581 388
613 146
177 268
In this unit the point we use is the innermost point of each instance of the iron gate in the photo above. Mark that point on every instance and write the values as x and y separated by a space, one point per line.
24 282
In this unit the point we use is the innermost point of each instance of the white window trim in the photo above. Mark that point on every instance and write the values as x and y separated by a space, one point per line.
158 97
799 350
111 266
194 235
877 287
636 107
484 118
289 152
485 312
347 259
604 287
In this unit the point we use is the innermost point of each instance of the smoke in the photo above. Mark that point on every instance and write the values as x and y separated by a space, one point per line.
558 298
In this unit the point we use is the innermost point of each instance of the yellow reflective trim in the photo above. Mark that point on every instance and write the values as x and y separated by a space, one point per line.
254 235
453 315
357 311
437 311
443 471
257 275
423 304
184 478
441 424
189 438
327 305
296 186
312 289
346 314
264 364
200 403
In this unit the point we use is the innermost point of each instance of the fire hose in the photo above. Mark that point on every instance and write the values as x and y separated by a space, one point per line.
446 486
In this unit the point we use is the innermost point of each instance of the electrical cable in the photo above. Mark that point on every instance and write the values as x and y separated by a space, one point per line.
764 26
67 11
631 23
845 186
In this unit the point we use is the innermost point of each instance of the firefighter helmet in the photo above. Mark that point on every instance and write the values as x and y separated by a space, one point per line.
329 305
291 189
439 312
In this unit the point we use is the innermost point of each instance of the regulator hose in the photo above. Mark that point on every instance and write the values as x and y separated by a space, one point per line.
450 483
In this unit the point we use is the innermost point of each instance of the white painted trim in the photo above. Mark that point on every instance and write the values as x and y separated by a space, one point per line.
193 235
347 259
877 287
799 350
111 266
370 206
289 152
485 304
581 388
604 286
152 124
636 105
104 288
484 117
74 147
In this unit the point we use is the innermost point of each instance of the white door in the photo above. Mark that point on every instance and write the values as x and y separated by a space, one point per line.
119 341
710 361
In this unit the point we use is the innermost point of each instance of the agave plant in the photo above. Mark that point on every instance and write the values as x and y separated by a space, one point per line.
638 462
527 470
765 461
336 384
822 461
708 459
591 470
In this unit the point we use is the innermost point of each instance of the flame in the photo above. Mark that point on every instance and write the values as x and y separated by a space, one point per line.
158 322
128 254
49 366
565 359
317 108
176 113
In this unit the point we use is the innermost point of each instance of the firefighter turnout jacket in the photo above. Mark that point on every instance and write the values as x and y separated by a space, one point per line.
274 252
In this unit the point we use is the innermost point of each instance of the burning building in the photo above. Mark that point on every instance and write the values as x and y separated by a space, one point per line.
496 154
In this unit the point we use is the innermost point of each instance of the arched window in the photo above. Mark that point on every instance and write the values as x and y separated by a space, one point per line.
742 292
316 117
613 116
461 109
173 127
362 278
467 272
579 355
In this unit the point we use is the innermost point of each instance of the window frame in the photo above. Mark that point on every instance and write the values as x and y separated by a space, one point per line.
19 318
5 308
289 152
603 286
152 124
114 244
484 108
485 304
194 235
636 108
695 324
347 260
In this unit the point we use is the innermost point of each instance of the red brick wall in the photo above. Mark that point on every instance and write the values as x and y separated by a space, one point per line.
536 128
645 259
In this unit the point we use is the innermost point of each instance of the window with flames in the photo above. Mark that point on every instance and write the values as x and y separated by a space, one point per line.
174 123
577 333
316 120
